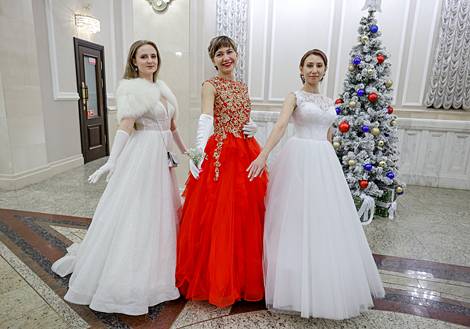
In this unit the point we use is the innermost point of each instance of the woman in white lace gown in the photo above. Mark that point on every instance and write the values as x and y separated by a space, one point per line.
317 261
127 259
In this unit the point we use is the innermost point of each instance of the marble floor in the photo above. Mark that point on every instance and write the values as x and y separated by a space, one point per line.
423 256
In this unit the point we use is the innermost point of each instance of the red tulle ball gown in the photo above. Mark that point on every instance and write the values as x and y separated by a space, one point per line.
220 242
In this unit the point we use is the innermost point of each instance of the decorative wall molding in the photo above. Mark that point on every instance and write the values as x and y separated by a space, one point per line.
271 61
330 41
401 51
232 21
433 152
58 95
427 57
113 48
340 48
250 53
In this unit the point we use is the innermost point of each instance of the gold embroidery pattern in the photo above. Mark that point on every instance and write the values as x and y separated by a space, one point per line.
232 107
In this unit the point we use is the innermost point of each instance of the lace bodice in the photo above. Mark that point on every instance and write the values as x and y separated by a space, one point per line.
148 121
313 115
232 107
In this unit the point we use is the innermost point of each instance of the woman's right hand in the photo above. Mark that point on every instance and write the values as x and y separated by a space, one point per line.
256 167
107 167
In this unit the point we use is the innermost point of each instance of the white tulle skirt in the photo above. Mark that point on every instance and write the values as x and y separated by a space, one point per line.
317 261
127 259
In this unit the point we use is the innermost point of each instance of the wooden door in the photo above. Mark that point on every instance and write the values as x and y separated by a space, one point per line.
91 86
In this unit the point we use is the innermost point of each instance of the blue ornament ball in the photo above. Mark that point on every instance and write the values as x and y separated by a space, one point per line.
357 61
385 109
374 28
368 166
360 92
338 111
390 175
386 135
365 129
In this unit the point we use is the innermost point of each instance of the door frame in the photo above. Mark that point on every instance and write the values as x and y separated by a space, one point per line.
79 42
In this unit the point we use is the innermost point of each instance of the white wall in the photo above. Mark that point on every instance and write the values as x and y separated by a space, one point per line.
39 100
280 33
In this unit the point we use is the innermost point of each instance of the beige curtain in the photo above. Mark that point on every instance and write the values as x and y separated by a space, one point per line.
449 86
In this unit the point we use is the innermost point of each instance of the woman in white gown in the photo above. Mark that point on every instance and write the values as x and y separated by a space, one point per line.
317 261
127 259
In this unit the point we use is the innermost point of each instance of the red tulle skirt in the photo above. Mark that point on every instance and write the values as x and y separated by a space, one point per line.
220 242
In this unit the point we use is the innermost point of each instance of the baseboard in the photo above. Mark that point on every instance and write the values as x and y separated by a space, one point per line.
17 181
458 182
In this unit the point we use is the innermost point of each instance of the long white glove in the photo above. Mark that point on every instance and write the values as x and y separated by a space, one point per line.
178 141
119 142
204 130
250 129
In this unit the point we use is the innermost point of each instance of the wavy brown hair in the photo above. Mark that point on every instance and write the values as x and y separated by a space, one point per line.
317 52
130 71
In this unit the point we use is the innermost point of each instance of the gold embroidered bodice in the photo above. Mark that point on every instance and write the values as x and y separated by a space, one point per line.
232 107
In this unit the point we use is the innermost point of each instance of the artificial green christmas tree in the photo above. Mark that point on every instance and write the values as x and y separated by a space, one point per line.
365 131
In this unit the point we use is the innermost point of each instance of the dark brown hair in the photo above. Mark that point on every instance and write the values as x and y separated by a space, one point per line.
219 42
317 52
130 71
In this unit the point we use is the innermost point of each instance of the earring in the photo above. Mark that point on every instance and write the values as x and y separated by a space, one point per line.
136 69
216 67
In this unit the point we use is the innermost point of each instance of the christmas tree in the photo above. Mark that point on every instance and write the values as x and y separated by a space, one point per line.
365 131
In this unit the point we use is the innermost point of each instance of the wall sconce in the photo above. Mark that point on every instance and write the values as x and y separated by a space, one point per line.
159 5
87 22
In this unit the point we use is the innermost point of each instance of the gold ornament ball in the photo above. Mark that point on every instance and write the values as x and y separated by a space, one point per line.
393 122
351 67
380 143
352 104
351 162
336 145
364 38
399 189
389 83
382 163
370 71
375 131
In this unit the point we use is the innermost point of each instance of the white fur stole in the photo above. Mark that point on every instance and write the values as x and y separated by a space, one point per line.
135 97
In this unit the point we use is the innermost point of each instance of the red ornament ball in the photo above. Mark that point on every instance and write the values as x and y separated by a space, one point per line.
373 97
343 127
339 101
380 59
363 183
390 110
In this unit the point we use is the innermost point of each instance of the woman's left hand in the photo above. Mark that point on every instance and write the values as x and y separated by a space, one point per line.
256 167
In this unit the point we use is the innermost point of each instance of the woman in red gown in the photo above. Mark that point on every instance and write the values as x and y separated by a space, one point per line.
220 242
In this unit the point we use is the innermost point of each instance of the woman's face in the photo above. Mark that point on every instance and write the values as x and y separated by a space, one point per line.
225 59
314 69
146 60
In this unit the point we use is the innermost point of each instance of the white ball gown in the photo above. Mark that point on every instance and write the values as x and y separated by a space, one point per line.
317 261
127 259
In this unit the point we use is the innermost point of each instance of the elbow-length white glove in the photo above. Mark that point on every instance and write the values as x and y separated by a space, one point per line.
119 142
178 141
205 128
250 129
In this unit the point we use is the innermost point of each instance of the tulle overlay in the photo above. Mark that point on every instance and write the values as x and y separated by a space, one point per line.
219 255
317 260
127 259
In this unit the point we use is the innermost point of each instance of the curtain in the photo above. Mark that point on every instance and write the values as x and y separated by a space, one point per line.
232 22
449 85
